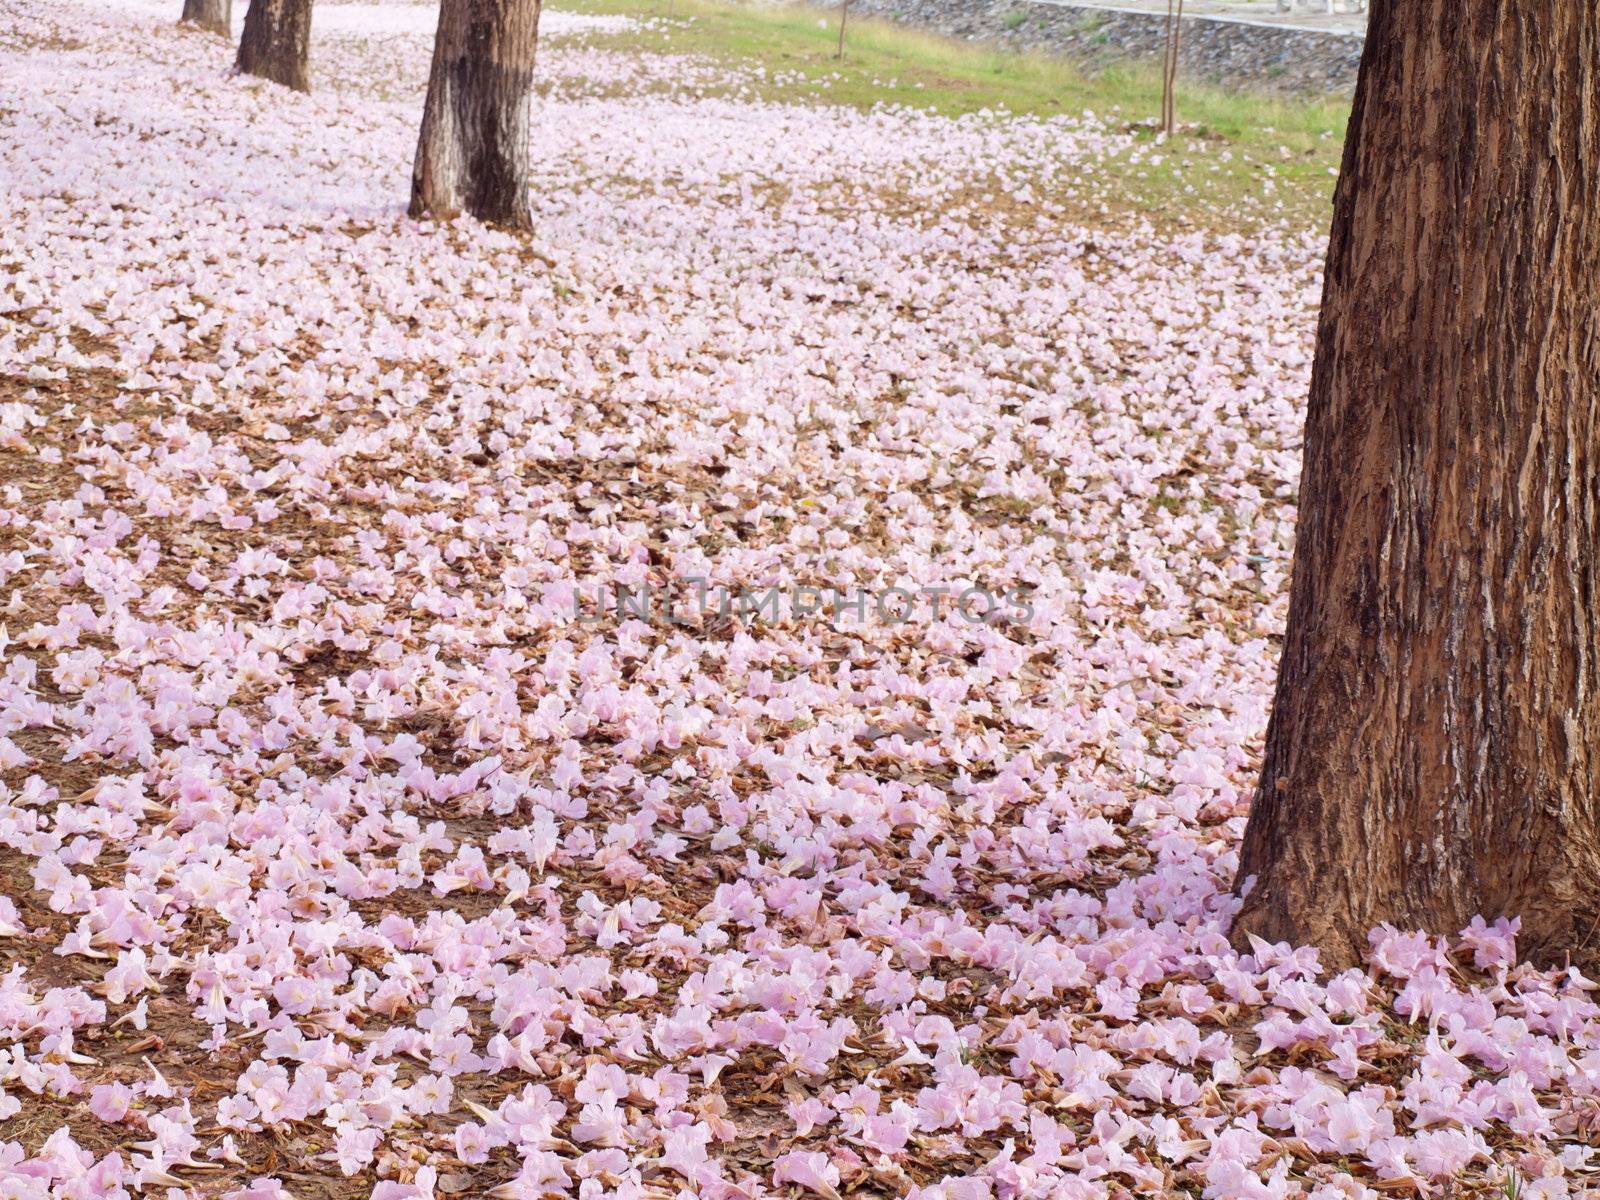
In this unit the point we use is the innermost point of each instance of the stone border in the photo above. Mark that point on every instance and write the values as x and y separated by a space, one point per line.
1231 53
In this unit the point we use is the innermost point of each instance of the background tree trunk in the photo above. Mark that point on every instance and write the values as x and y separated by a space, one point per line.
472 155
1434 748
214 16
1169 68
277 42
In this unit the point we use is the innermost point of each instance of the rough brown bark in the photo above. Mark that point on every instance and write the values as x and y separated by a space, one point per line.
1434 748
276 43
214 16
472 155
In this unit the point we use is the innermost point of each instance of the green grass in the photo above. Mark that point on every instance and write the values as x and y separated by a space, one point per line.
1214 173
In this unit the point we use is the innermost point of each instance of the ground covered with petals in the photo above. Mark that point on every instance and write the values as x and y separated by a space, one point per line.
751 691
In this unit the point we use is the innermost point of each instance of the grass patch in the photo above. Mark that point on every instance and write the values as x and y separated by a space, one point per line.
1243 159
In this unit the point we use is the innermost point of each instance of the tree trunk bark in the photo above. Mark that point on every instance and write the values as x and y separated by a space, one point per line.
277 42
472 155
214 16
1434 747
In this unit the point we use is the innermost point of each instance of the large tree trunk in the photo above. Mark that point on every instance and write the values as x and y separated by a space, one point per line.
277 42
472 156
214 16
1434 748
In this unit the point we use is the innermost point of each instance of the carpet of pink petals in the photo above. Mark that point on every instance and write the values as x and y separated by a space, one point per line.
348 850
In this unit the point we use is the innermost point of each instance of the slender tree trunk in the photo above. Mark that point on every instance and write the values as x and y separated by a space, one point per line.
1172 71
277 42
1434 748
844 15
1167 69
214 16
472 156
